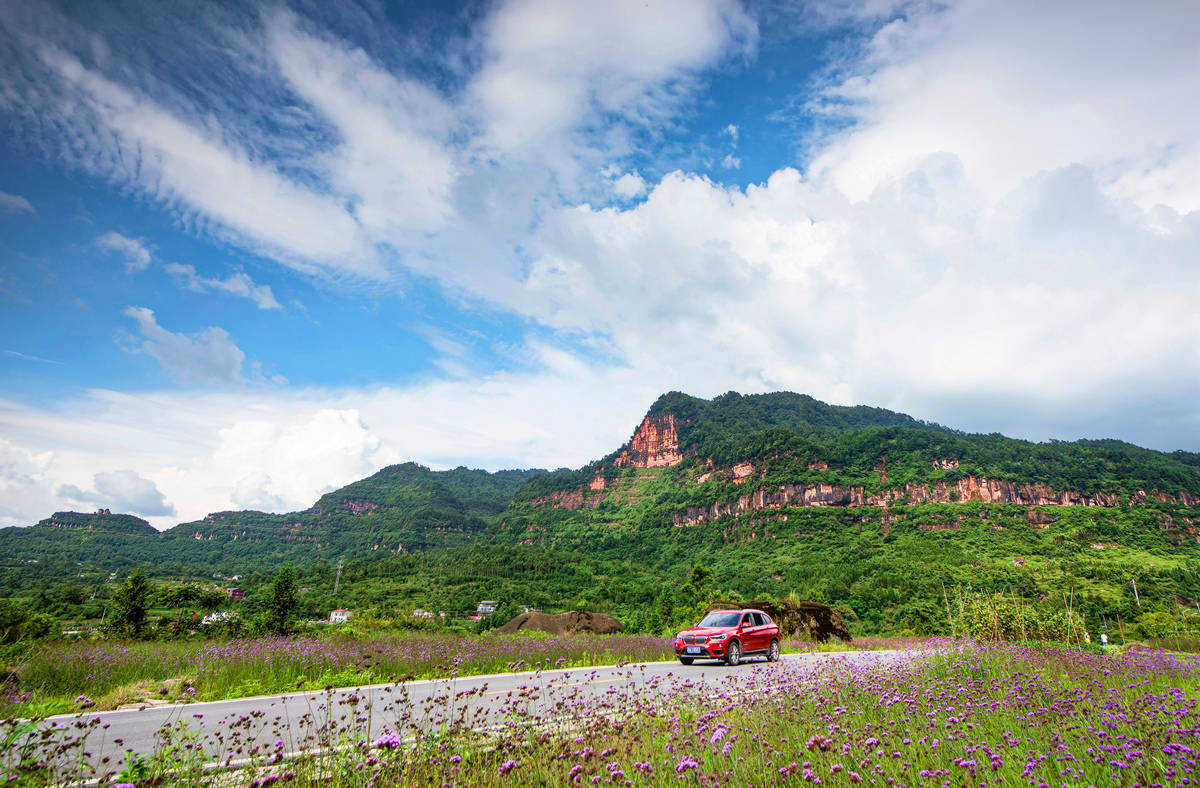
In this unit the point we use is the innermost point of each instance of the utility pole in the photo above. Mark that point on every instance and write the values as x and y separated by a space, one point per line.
337 582
1135 593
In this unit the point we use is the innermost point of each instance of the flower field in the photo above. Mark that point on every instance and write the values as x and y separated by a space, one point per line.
961 714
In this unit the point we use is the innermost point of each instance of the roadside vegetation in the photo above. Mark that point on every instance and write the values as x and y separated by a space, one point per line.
964 713
57 678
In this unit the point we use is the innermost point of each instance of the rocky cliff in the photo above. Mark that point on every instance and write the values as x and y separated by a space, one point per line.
654 445
969 489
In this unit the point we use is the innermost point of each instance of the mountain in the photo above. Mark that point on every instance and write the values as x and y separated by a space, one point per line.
871 510
400 508
102 521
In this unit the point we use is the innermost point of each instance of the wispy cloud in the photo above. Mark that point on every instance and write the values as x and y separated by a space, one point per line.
181 163
239 284
393 158
15 203
205 358
132 250
24 357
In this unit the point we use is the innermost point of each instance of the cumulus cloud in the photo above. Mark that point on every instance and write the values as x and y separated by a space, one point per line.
279 450
121 491
629 186
239 284
205 358
14 203
26 489
1015 88
132 250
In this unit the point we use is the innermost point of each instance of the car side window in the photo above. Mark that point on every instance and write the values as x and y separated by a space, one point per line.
758 619
748 620
766 620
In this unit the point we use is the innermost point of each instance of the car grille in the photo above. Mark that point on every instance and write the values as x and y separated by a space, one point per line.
694 641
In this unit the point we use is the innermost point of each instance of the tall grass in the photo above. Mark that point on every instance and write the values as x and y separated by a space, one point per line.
54 675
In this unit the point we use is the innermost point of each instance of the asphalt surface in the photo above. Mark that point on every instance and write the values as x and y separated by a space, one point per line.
234 731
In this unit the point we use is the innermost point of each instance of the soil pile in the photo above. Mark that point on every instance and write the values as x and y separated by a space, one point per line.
564 623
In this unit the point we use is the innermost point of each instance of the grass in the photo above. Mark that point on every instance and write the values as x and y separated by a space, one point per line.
969 714
60 677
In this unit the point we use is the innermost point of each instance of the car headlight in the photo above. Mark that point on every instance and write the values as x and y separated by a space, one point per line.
717 638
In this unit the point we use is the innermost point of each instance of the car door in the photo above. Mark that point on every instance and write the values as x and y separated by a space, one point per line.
746 632
752 637
762 633
770 630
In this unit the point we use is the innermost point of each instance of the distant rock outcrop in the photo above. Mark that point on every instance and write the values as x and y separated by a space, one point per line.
102 520
655 444
564 623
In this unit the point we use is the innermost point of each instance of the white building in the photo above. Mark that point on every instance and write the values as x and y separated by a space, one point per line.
339 616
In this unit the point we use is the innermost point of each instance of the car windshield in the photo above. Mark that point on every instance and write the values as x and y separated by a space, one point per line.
722 619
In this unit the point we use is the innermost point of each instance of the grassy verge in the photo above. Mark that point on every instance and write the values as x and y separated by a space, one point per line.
61 677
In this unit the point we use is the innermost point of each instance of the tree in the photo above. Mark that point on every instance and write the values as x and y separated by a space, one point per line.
12 617
281 610
127 616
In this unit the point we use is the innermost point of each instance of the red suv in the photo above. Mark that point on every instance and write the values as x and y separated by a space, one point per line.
729 635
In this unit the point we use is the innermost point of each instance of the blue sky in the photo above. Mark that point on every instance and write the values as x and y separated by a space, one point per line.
252 252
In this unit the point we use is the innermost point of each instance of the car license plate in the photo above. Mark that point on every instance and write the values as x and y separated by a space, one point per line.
694 649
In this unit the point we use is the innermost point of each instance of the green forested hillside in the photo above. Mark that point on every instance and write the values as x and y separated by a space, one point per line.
872 511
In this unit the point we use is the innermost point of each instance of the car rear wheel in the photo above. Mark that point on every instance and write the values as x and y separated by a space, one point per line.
686 660
773 653
733 654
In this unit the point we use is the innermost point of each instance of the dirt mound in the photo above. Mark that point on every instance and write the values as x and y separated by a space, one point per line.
564 623
814 620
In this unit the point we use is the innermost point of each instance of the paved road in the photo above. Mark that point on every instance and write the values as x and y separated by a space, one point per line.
231 731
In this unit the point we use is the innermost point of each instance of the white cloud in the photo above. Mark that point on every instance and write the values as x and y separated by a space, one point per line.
285 465
1015 88
549 67
731 162
26 492
629 186
121 491
132 250
183 164
206 358
394 157
14 203
239 284
916 294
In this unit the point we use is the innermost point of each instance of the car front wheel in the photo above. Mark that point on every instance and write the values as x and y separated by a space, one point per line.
773 653
733 655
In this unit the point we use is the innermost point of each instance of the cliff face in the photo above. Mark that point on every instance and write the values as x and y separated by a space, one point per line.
968 489
654 445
